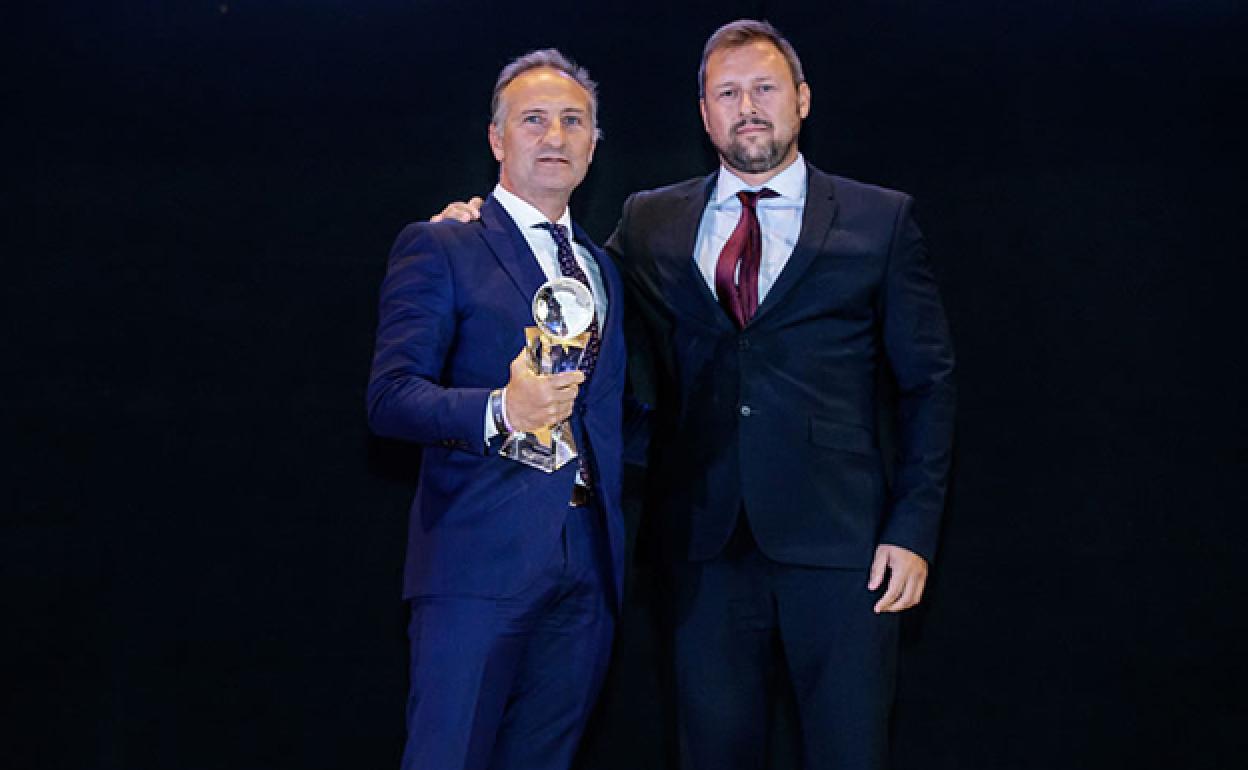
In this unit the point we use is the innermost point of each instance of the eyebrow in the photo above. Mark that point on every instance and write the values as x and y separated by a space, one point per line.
759 79
544 110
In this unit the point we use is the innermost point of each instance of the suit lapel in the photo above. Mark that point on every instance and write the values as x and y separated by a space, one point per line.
511 249
610 332
817 218
683 271
609 281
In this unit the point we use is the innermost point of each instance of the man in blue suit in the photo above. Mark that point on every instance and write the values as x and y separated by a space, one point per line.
513 574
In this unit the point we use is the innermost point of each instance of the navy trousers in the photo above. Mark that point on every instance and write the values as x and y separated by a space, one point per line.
508 684
742 622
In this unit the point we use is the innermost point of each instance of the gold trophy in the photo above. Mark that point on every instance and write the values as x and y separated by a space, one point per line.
563 310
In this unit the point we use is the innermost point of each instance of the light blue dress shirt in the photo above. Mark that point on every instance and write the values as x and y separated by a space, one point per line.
779 219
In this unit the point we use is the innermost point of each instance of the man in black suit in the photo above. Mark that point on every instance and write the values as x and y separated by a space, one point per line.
773 298
774 303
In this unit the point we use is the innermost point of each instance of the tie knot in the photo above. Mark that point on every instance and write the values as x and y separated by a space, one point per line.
749 198
557 231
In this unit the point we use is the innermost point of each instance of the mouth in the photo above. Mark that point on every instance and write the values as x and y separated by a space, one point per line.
551 160
752 126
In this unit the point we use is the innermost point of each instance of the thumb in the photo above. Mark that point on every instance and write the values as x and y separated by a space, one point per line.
878 565
574 377
520 364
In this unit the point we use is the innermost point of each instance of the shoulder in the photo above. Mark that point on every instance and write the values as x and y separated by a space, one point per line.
688 187
851 192
423 236
860 206
644 201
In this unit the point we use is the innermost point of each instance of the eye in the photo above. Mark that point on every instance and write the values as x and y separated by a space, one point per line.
573 120
726 93
532 119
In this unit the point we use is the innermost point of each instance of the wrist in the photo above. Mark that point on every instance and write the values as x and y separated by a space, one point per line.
498 410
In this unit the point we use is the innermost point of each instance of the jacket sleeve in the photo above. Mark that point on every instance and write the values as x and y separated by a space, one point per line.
640 392
415 332
920 352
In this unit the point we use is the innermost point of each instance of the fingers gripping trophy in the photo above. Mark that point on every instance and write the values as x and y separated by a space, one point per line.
563 310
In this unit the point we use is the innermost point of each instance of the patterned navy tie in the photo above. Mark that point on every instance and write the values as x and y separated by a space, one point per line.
569 267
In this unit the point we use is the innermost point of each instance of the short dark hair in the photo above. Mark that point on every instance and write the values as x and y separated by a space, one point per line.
741 32
544 58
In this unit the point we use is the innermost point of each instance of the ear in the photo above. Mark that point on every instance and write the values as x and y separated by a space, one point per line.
702 109
496 142
803 100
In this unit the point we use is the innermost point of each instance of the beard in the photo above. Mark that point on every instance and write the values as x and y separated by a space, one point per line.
755 158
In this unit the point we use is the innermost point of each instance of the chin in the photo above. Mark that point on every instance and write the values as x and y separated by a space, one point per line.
755 163
555 172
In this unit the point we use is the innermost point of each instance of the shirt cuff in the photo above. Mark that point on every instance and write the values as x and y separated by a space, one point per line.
491 419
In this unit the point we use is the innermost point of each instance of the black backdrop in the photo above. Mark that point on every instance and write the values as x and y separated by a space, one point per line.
202 546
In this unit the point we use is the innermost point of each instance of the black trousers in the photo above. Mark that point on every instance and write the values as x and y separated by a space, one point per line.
744 624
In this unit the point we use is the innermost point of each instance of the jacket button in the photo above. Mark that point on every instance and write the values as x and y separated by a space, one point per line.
746 410
743 343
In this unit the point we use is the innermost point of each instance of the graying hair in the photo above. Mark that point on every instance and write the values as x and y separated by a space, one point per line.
544 58
741 32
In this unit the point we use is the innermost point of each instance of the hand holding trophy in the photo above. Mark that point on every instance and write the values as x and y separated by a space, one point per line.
563 310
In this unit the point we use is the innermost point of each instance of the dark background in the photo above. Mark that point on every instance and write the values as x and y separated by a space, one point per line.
200 560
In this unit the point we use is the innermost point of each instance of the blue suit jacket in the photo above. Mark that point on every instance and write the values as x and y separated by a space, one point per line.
454 305
780 418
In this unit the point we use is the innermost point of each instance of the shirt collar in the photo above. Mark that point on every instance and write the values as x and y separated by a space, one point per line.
525 214
789 184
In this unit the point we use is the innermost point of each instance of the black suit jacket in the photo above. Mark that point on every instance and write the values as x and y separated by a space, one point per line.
779 419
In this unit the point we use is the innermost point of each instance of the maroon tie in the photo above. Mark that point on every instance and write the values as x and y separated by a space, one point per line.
739 296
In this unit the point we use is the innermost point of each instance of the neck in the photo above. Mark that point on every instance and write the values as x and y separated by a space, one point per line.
553 210
552 206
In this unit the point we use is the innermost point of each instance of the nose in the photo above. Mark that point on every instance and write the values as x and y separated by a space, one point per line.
554 134
746 105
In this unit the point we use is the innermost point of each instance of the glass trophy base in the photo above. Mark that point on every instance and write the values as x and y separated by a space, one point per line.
547 453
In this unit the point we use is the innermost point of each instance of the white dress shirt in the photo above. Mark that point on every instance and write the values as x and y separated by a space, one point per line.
779 220
542 244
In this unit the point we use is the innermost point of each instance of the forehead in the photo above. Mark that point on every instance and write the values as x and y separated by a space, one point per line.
756 59
544 88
